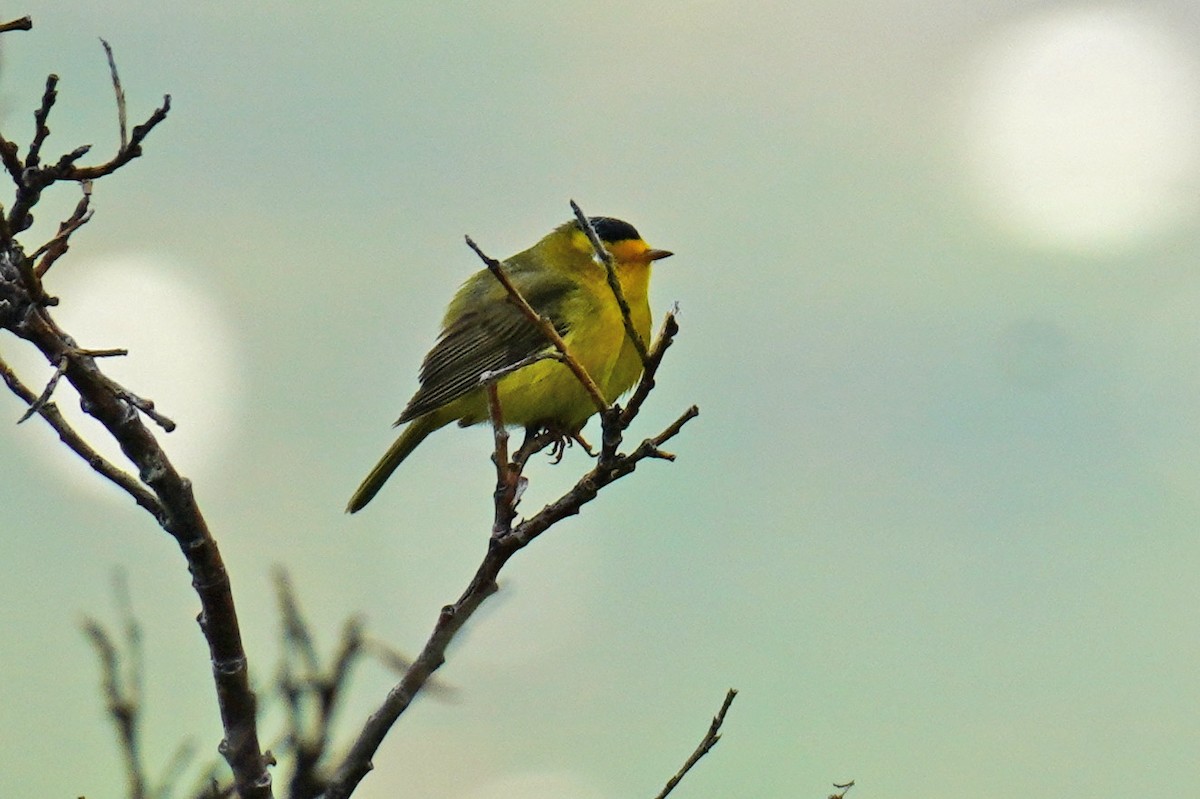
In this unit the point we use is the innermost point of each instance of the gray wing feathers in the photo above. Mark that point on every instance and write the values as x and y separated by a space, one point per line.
482 341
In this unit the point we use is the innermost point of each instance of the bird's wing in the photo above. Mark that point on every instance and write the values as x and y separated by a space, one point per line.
486 339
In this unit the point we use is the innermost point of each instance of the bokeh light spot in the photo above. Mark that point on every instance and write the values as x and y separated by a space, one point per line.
182 355
1083 128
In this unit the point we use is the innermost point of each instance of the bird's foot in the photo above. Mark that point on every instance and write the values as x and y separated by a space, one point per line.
563 440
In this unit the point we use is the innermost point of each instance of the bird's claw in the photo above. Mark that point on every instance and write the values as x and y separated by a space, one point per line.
562 441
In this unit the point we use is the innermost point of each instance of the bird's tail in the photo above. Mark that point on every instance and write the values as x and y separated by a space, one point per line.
403 446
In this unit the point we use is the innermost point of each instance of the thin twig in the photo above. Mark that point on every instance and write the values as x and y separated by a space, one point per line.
76 444
842 789
708 742
122 705
54 249
543 324
610 270
615 421
44 397
495 375
144 405
41 401
22 24
120 93
41 130
666 336
504 496
296 636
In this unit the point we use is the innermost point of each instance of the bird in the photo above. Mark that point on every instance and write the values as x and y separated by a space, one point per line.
484 332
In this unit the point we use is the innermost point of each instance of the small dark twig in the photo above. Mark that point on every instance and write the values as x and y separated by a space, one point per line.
146 406
507 477
842 790
76 444
493 376
123 693
666 336
22 24
610 270
119 92
11 159
54 249
41 130
708 742
39 403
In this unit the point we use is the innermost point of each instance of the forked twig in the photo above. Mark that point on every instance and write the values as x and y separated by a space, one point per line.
123 480
56 247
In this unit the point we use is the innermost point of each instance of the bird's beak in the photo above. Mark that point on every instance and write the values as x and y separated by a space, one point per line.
657 255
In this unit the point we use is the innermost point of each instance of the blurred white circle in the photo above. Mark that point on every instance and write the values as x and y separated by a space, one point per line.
535 786
1083 127
182 355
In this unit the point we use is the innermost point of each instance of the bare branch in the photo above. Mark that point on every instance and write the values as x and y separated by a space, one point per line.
842 790
54 249
22 24
706 743
23 312
76 444
122 698
666 336
313 693
125 154
41 131
116 408
119 92
501 546
44 397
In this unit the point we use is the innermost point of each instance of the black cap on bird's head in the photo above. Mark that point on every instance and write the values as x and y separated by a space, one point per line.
609 229
614 231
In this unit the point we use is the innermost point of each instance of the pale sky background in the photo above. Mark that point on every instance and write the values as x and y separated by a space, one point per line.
939 271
